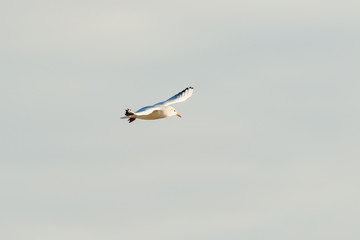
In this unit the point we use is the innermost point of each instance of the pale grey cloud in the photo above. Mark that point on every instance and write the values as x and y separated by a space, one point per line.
267 146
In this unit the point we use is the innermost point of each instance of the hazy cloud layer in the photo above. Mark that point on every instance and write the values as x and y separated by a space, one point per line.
267 147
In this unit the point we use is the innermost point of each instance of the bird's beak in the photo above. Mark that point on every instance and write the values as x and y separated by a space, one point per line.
178 115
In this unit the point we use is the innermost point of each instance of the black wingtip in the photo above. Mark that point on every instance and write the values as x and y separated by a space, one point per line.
128 112
187 89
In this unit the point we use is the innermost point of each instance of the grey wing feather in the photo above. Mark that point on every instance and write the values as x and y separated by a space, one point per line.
146 110
180 97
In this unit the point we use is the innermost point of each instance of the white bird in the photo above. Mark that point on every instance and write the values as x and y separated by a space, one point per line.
159 110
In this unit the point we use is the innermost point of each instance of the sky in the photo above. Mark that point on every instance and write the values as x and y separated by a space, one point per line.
268 146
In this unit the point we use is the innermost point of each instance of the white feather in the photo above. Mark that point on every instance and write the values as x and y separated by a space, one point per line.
177 98
162 109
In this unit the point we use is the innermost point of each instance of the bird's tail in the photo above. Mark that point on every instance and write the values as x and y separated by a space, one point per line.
128 114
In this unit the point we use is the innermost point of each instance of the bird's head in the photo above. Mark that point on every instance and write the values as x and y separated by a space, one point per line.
173 112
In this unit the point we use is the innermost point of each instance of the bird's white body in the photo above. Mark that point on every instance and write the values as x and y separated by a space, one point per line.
161 109
162 112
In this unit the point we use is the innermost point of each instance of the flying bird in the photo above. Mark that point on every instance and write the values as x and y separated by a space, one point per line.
159 110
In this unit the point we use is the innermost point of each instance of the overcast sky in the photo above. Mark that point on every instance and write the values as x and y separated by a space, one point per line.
268 146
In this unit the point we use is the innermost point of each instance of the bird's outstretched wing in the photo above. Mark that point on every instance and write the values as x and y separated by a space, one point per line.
180 97
146 110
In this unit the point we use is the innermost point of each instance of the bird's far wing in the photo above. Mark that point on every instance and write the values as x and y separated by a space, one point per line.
180 97
146 110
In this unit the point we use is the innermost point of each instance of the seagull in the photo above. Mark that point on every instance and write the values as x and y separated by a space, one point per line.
161 109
